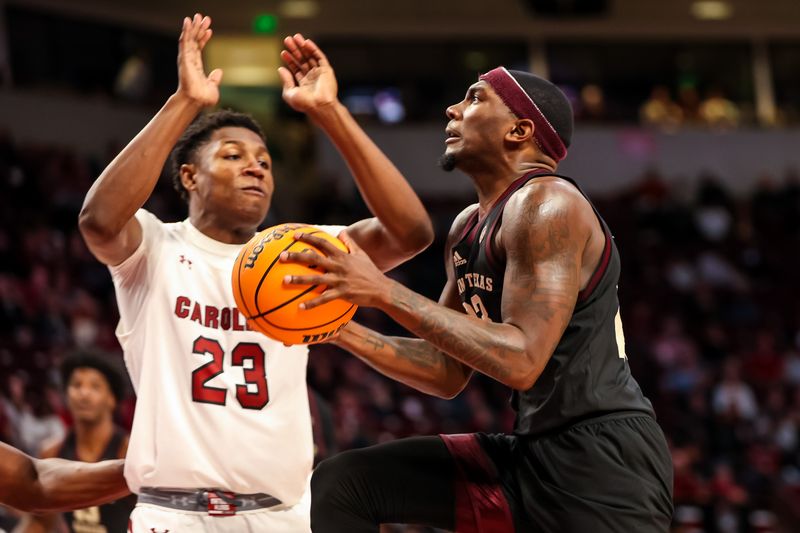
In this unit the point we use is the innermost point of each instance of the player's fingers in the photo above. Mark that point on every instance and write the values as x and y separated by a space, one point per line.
310 259
184 29
326 246
289 62
312 50
293 47
204 38
327 296
348 241
195 26
215 76
286 78
318 279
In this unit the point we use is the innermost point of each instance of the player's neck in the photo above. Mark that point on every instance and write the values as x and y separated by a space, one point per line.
91 438
492 182
217 230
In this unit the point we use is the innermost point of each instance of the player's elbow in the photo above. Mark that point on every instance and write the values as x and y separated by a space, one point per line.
524 378
92 226
416 238
454 383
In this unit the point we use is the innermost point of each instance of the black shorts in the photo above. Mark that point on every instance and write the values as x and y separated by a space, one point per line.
607 474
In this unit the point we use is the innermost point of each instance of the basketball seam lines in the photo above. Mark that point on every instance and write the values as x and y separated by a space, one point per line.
307 327
265 313
264 276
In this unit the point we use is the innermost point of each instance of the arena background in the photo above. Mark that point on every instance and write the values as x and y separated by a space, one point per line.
687 138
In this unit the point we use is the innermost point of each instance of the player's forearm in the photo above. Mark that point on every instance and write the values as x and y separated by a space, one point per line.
67 485
413 362
384 189
497 350
127 182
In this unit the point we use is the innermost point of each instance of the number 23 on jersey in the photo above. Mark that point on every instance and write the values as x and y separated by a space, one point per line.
248 355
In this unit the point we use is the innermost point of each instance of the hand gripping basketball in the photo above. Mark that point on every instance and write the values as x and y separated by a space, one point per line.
272 307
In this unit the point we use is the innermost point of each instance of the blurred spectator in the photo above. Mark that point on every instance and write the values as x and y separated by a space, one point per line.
733 398
592 104
717 112
661 111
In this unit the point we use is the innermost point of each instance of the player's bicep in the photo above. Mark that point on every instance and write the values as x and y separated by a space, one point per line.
543 245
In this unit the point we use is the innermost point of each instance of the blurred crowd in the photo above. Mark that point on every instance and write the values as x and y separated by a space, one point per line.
709 301
664 109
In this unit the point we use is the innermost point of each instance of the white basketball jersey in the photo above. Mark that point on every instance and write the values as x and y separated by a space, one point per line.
218 405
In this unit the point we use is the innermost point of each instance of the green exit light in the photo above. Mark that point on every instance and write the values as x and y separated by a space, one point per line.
265 23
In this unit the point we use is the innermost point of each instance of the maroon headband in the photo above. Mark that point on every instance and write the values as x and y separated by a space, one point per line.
522 105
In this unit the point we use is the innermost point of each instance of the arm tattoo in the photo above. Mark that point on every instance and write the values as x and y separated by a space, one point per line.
462 339
414 351
375 341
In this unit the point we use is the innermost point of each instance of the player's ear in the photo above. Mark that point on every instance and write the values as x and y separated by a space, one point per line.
188 176
521 131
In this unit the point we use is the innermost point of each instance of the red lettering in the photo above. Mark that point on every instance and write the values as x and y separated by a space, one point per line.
181 304
237 326
225 319
211 317
197 313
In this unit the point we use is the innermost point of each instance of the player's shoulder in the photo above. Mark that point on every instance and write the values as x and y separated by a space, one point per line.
462 220
543 198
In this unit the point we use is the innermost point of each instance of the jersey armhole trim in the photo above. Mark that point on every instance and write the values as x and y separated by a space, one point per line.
600 269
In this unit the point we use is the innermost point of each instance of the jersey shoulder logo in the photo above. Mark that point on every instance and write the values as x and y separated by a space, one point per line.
185 261
458 260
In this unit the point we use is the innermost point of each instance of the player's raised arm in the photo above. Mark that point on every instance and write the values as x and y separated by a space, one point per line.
401 227
106 220
50 485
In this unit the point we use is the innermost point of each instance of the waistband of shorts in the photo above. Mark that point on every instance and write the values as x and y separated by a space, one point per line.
197 499
591 420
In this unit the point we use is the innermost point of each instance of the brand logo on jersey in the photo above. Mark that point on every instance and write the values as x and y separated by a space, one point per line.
474 280
483 234
184 261
458 260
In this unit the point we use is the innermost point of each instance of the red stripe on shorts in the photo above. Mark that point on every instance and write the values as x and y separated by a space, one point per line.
481 505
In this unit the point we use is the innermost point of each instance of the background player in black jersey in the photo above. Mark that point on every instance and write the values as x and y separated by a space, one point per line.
93 389
535 268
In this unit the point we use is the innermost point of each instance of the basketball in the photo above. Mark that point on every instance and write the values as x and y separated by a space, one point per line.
272 307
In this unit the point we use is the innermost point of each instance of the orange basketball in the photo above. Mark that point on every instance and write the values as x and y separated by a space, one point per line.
272 307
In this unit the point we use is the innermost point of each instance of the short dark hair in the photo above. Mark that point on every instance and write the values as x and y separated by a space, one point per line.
550 100
86 359
199 132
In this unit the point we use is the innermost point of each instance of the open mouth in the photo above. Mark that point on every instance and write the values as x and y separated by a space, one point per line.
451 137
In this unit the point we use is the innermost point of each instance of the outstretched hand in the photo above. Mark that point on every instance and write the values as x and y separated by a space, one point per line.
350 276
192 79
309 83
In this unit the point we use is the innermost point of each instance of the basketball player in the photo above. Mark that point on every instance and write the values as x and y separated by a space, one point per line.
531 301
93 389
222 436
51 485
